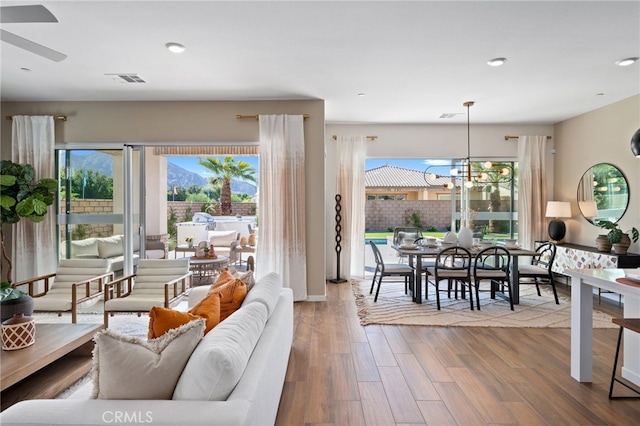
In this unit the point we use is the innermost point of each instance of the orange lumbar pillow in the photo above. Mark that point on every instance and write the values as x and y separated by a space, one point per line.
162 319
232 294
209 309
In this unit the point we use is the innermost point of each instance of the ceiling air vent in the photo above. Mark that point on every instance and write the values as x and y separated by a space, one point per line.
449 114
127 78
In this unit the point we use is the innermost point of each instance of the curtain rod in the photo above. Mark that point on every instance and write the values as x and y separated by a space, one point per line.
255 117
507 137
55 117
371 138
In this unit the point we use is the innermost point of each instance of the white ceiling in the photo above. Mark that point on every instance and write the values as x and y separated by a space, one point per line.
413 60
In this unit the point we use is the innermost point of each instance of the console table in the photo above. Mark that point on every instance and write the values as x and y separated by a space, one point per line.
574 256
582 281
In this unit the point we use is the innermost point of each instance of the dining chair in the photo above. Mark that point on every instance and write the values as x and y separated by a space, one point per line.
540 269
400 233
454 265
390 270
493 264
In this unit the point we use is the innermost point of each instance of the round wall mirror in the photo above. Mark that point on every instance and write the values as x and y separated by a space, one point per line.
603 193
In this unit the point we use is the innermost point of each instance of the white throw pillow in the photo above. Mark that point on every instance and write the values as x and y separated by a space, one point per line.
110 246
126 367
266 291
219 361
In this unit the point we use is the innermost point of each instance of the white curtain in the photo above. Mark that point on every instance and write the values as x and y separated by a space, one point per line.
34 244
350 156
532 194
281 244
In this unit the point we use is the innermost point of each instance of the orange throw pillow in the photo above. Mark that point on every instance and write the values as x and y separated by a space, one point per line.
232 295
224 277
162 320
209 309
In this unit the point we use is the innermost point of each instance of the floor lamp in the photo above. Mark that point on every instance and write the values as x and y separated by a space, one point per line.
558 210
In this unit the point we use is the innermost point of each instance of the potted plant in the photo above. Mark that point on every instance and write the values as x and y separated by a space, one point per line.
21 196
189 241
14 301
620 240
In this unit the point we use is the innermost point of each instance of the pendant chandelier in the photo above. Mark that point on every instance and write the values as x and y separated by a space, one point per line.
461 173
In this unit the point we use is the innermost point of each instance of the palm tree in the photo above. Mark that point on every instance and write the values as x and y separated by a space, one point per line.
492 186
223 172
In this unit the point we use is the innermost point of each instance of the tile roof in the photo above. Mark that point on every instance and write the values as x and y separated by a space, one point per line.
399 177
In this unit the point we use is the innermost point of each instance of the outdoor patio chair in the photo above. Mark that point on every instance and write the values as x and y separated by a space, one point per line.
389 270
77 283
155 283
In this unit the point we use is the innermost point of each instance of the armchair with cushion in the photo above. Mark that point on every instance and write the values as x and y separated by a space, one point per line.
77 283
155 283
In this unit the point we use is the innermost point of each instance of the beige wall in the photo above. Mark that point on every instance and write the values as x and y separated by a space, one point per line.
600 136
184 122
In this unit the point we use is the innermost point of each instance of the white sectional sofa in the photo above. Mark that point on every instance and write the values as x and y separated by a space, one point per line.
253 400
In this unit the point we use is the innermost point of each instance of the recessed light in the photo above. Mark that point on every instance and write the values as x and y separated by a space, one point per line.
25 69
360 95
175 47
496 62
626 62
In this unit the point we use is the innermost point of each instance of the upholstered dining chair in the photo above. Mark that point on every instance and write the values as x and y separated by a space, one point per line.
453 264
540 269
77 283
157 282
492 264
389 270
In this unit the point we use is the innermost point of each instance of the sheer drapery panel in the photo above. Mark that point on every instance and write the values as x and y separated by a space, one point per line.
532 198
281 244
34 251
350 155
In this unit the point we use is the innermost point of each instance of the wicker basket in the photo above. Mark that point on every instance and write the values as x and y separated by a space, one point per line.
18 332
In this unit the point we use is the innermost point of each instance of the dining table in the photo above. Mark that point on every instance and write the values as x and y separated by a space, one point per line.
417 253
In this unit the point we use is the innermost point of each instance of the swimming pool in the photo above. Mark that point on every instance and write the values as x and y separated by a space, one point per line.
379 241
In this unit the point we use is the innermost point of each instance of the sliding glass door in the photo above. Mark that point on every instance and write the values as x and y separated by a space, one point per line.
99 201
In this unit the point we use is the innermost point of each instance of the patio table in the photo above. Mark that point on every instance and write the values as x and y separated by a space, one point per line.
420 252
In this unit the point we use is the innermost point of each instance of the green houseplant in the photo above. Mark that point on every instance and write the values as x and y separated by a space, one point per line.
22 196
621 240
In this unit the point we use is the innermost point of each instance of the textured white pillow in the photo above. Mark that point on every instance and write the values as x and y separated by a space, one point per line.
126 367
246 277
217 364
110 246
266 291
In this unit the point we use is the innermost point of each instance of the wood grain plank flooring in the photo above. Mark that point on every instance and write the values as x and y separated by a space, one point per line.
341 373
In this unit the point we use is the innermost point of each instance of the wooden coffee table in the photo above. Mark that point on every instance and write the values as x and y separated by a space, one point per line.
60 356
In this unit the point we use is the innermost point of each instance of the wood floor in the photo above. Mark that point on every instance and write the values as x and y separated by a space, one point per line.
341 373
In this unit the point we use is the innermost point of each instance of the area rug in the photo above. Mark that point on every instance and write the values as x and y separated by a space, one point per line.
395 307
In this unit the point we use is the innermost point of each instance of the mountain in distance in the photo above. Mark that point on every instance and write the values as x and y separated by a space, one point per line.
178 176
182 177
103 164
96 161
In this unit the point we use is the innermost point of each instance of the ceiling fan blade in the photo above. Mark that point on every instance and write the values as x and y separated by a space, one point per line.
22 14
32 47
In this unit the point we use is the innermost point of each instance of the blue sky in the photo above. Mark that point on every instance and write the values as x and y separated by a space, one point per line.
191 163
